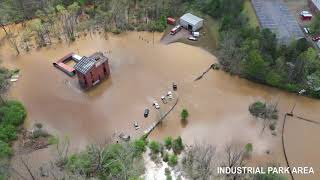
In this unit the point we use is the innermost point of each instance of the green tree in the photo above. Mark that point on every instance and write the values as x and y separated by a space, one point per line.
154 147
168 142
177 145
248 148
13 112
274 79
5 150
139 146
184 114
173 160
8 132
255 66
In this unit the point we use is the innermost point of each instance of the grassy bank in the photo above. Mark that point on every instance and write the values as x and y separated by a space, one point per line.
250 13
12 115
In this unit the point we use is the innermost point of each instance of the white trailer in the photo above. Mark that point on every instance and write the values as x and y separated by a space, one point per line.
191 22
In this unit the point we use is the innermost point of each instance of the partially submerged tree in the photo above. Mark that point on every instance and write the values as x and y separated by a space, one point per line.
184 114
266 111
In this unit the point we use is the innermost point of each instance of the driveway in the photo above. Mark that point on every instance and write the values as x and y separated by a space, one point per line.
183 33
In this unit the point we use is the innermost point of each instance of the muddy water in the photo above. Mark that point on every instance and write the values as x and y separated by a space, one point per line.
141 72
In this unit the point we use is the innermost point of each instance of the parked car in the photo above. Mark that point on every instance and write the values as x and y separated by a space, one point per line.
124 137
174 86
306 30
146 113
196 34
316 38
136 126
192 38
175 30
156 105
163 98
169 95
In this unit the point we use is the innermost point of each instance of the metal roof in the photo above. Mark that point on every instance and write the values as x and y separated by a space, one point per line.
85 64
316 3
190 18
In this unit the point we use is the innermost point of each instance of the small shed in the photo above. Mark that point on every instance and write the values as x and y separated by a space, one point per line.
191 22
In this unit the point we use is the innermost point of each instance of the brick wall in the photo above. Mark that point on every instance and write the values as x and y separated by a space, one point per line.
97 73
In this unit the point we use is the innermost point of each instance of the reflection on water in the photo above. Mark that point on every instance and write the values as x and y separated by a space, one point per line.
140 72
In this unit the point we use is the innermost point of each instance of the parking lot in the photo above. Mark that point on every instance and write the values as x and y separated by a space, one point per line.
275 15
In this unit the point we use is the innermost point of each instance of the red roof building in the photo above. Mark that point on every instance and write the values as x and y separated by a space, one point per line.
92 70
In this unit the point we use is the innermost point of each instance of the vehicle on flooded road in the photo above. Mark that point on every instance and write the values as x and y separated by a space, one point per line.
146 113
156 105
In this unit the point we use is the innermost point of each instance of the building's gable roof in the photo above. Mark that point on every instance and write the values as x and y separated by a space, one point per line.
85 64
316 3
190 18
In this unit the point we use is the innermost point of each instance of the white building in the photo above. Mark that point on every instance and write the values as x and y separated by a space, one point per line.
191 22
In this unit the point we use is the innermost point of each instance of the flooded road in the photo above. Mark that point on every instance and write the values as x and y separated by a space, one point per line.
141 72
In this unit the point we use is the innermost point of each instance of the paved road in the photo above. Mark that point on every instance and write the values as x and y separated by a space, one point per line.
275 15
183 33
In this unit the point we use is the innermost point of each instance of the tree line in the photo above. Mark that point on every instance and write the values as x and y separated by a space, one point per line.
58 19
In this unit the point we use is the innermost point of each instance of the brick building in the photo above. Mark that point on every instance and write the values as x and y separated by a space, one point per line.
92 70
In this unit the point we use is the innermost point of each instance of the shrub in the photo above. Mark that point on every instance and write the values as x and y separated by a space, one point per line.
165 157
173 160
257 108
273 79
139 147
184 114
39 133
177 145
248 148
8 133
154 146
168 142
272 126
13 113
5 150
167 172
80 163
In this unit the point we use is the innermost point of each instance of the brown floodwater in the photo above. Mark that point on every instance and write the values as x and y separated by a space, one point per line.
141 72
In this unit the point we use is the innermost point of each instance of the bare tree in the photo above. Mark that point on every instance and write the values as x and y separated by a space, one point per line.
233 157
198 161
12 38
